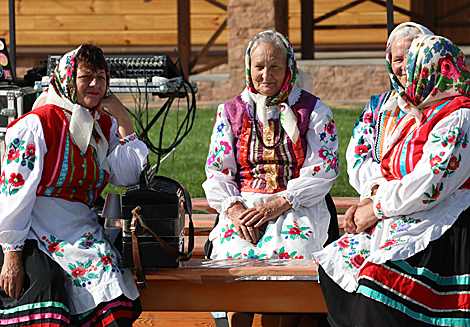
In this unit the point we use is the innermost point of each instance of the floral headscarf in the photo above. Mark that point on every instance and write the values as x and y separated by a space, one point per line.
291 75
63 78
83 127
435 70
388 57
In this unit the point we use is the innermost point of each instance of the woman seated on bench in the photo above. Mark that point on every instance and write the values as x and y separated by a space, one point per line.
272 161
58 267
403 261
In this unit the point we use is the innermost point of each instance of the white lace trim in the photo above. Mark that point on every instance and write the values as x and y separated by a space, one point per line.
229 200
291 198
294 96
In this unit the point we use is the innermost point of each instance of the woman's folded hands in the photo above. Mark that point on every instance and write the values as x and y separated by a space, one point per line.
247 222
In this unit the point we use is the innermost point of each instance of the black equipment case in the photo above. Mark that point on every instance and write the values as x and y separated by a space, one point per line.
153 214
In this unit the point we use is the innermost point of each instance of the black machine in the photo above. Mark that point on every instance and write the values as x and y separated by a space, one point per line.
153 224
131 66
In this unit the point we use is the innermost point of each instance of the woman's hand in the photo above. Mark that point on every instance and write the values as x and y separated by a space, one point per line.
364 217
348 224
248 233
115 107
360 217
265 212
12 275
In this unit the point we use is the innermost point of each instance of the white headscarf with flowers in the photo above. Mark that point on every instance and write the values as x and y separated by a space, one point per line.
435 70
62 93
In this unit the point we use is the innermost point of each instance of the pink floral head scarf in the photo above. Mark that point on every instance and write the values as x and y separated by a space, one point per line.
291 75
435 70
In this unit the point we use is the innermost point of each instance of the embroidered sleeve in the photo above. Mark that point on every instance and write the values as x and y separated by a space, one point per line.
220 186
126 157
22 167
321 165
439 173
361 164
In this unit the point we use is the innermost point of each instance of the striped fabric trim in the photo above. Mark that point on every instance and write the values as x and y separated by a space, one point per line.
63 169
114 313
370 293
36 314
418 292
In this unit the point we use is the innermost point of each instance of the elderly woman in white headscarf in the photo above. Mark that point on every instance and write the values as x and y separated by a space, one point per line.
272 161
404 263
58 267
363 153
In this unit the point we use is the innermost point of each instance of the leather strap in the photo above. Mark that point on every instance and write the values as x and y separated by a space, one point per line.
139 273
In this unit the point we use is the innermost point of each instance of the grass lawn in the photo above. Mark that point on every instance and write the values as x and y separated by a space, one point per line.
186 163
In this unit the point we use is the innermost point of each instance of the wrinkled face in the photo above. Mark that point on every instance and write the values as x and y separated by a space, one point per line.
90 86
268 69
398 60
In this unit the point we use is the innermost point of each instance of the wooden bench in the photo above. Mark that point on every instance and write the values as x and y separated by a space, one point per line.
200 285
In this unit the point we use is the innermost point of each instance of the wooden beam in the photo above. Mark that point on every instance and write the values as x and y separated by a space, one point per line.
218 4
390 23
307 27
337 11
208 44
184 36
453 12
404 11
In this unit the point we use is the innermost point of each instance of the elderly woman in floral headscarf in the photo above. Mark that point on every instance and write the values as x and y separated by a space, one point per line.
362 154
272 161
405 262
58 267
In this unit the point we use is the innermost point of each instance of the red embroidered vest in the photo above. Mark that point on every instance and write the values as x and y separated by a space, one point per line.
68 173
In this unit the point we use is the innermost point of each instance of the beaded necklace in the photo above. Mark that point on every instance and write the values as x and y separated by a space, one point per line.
258 133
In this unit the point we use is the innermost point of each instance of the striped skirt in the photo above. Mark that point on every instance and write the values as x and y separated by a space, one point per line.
43 301
431 288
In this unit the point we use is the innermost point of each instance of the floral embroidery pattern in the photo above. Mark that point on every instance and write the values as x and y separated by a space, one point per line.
433 193
387 245
128 139
81 274
283 254
329 130
296 232
316 169
11 185
53 245
453 138
88 241
220 128
403 224
235 256
252 255
353 258
13 151
330 158
12 248
29 156
214 158
379 209
360 151
447 166
106 261
229 233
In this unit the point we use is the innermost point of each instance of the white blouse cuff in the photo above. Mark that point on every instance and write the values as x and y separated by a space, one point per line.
291 198
12 247
129 138
228 201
